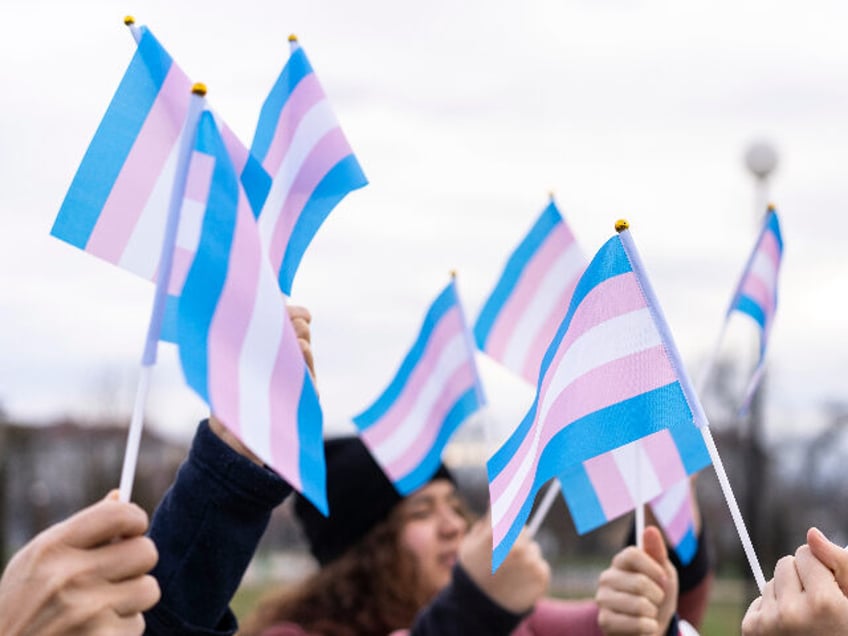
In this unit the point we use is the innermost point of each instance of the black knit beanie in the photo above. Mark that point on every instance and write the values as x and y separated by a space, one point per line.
359 496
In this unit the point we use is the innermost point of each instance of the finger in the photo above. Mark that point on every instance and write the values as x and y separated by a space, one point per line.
833 556
125 559
612 623
632 559
108 624
625 603
654 546
751 620
302 330
134 595
813 574
631 583
786 579
100 523
297 312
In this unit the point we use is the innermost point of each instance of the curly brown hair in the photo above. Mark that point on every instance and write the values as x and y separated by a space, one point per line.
355 595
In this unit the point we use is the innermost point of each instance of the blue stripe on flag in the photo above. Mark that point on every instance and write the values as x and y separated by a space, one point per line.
687 547
208 272
467 404
610 261
583 503
747 305
257 184
443 303
310 419
545 224
774 226
293 72
170 319
690 444
592 435
112 142
345 176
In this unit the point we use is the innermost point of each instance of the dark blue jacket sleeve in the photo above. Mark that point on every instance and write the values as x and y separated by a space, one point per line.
206 529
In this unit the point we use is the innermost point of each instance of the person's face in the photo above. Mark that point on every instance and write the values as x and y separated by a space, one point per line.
433 525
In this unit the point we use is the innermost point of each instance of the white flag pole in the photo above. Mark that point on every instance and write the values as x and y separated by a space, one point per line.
699 417
154 328
542 511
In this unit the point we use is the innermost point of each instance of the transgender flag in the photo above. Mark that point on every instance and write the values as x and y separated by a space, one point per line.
435 389
117 205
300 144
756 294
521 316
611 376
647 470
237 346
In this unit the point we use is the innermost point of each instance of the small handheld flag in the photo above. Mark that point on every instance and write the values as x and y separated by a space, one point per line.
756 294
521 316
237 346
436 388
300 144
610 376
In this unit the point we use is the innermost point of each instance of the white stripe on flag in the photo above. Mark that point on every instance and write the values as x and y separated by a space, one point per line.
763 268
611 340
138 257
647 486
666 507
453 356
191 224
256 364
563 271
313 126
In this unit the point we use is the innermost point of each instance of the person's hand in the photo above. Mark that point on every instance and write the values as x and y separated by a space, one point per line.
637 594
521 580
806 595
300 318
86 575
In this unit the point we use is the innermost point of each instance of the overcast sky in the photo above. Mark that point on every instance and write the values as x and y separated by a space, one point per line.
464 115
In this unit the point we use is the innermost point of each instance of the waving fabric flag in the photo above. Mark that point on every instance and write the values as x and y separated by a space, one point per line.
117 205
300 144
436 388
756 294
646 470
520 318
611 375
237 346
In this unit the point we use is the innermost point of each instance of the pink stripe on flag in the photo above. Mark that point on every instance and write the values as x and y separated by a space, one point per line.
331 149
230 322
199 177
141 169
612 298
526 289
237 151
676 527
183 259
665 458
462 379
609 485
763 294
287 385
771 249
599 388
306 94
533 363
449 326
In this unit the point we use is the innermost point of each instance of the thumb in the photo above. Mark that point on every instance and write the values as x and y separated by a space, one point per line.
834 557
654 545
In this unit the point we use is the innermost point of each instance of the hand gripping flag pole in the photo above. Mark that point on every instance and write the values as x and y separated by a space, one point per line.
154 329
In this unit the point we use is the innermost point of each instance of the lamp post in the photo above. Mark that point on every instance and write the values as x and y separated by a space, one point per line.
761 161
